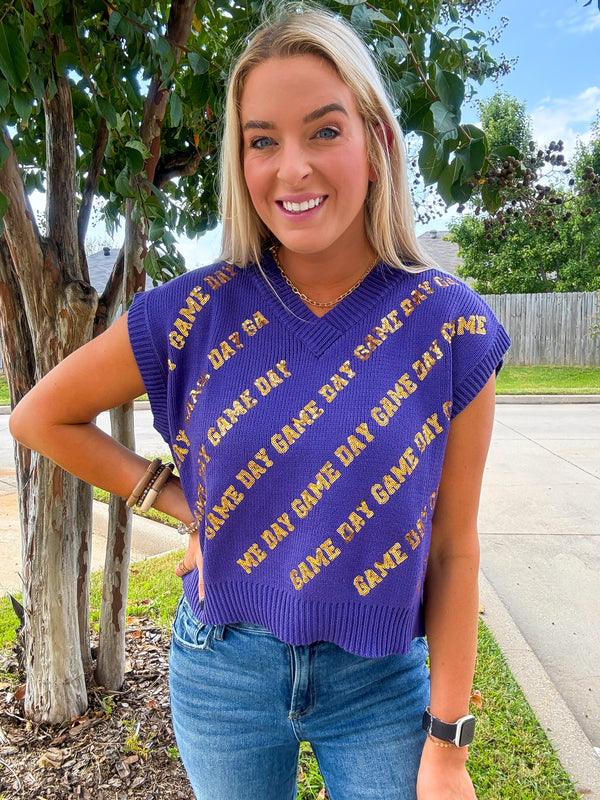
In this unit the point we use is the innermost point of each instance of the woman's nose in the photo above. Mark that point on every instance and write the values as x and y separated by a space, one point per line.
294 164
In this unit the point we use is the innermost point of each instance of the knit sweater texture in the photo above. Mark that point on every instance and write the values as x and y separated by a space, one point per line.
310 448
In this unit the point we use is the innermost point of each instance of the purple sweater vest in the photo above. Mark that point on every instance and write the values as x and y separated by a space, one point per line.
310 449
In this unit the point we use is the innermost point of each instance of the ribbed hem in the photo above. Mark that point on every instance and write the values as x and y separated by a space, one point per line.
363 629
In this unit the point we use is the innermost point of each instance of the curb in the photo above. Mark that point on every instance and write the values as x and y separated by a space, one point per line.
545 399
574 750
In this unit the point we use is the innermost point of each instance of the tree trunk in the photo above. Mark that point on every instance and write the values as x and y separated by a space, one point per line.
84 501
110 669
17 357
52 313
56 687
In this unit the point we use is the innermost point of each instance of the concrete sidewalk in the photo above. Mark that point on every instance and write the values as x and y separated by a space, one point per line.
540 568
539 527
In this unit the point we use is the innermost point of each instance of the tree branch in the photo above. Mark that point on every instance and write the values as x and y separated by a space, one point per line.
61 201
89 191
22 234
111 299
80 51
15 337
177 165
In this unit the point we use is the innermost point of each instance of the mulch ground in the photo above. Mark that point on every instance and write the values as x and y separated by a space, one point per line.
124 746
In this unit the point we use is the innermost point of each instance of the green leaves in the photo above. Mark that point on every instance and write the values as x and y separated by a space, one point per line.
451 91
136 154
198 63
123 184
13 59
176 110
107 111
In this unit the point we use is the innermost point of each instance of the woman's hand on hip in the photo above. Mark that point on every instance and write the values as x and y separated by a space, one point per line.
191 560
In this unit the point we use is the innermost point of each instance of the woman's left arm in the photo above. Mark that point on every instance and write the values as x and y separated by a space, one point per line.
451 594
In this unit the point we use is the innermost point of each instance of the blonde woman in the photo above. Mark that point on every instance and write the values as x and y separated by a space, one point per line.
328 398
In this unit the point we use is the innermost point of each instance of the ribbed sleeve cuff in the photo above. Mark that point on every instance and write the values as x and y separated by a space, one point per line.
490 362
148 361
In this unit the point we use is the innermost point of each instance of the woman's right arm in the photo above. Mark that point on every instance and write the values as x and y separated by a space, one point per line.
56 418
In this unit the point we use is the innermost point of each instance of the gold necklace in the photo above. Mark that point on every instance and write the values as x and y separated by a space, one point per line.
302 296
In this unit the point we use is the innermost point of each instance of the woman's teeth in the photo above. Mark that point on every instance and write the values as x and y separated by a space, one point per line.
297 208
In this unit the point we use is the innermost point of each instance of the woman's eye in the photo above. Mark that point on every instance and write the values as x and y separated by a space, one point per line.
327 133
261 142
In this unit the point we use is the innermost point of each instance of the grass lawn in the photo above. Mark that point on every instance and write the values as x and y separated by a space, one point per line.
4 396
548 380
511 758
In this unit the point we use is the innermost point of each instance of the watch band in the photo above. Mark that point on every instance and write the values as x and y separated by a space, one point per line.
459 733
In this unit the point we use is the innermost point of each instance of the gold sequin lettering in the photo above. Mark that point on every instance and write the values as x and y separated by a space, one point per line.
194 395
407 307
277 532
251 326
337 383
283 440
444 281
324 555
309 498
406 464
389 324
373 577
220 278
187 316
251 558
423 366
346 453
272 379
254 470
181 449
425 436
355 521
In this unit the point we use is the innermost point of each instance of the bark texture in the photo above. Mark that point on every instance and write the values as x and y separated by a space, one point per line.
110 668
49 312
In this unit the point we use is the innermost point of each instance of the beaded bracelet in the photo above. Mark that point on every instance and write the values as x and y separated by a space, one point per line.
155 487
144 482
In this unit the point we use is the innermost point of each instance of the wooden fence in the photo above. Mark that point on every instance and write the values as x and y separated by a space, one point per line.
550 328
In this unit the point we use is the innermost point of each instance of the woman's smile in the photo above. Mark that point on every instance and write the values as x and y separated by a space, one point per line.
301 206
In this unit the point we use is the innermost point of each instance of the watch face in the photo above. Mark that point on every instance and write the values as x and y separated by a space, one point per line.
467 731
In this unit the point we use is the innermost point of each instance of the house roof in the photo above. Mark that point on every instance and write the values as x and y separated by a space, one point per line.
444 252
100 266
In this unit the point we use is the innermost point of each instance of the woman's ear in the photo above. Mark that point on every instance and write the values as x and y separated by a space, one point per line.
384 133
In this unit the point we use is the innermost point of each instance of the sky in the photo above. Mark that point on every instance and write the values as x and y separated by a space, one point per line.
556 45
557 75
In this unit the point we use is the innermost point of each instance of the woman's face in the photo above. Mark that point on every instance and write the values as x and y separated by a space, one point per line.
305 155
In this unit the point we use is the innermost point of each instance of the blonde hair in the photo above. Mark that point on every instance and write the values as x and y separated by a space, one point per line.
389 213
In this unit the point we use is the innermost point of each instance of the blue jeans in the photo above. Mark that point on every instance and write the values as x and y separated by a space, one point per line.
242 701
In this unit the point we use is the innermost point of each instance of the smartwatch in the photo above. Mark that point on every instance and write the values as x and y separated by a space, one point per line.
459 733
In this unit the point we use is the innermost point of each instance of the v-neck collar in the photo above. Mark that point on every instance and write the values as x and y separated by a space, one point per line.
319 333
